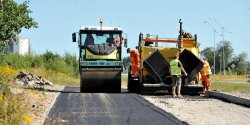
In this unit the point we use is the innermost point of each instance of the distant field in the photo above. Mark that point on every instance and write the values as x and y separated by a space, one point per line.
222 86
124 80
67 80
231 87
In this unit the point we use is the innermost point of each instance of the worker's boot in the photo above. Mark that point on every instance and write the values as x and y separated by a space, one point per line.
173 91
179 91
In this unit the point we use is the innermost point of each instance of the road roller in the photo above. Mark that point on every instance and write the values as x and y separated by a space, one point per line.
100 58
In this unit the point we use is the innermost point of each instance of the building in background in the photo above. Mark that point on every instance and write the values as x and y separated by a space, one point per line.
21 47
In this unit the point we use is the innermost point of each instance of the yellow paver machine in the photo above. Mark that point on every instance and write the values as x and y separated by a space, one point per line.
155 55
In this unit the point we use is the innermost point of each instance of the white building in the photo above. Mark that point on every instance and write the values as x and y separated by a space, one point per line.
21 47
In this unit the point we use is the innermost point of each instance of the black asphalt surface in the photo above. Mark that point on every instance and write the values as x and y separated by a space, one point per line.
74 108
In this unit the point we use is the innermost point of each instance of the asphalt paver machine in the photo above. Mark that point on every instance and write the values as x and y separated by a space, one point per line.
154 74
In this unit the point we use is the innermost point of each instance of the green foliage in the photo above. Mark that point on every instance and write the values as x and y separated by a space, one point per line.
241 64
228 51
11 109
13 17
231 87
208 53
67 64
126 61
239 61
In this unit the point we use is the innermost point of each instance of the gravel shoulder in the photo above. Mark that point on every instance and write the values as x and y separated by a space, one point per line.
202 111
38 102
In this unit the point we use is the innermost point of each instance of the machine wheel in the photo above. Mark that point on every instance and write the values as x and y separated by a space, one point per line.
133 85
100 82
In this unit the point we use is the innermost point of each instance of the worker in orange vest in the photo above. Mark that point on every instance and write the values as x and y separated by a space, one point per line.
205 76
135 61
117 41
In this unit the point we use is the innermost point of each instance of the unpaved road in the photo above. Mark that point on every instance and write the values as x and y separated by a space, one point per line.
202 111
74 108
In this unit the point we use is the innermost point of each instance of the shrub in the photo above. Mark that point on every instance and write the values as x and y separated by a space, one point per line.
67 64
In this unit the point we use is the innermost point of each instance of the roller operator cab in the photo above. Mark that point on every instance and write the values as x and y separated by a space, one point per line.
100 61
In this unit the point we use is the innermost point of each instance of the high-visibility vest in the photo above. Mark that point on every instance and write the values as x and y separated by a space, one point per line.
134 57
207 69
174 68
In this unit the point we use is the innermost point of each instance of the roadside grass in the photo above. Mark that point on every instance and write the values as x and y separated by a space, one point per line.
124 80
57 78
12 109
231 87
221 86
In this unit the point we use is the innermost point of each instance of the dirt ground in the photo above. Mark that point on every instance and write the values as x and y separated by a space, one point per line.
37 103
197 110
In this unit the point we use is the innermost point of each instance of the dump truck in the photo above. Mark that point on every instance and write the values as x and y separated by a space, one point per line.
154 75
100 57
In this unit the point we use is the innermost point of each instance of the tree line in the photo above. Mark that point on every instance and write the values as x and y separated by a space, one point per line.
14 17
234 64
66 63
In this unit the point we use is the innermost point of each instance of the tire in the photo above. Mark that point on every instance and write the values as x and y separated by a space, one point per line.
133 85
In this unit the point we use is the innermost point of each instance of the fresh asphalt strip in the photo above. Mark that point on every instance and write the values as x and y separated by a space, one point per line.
229 98
106 109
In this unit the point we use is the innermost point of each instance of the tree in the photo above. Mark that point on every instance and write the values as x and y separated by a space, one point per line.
240 63
126 62
228 52
13 17
248 69
226 47
208 53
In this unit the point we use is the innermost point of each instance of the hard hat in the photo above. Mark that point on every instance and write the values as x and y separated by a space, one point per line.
128 50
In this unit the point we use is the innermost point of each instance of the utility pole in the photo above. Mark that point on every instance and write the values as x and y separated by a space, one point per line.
222 35
214 39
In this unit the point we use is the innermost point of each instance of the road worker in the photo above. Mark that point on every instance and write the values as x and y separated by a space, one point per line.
175 71
186 34
135 61
117 41
205 76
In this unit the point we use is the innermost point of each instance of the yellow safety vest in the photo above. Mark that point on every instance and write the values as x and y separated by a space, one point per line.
207 69
174 68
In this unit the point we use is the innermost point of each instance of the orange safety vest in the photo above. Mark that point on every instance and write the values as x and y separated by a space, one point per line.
203 76
135 61
134 57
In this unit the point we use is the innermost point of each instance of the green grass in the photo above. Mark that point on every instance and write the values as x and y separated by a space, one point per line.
11 108
57 78
75 81
124 80
222 86
231 87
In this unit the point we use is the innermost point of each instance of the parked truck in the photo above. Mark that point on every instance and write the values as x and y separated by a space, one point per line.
100 61
154 74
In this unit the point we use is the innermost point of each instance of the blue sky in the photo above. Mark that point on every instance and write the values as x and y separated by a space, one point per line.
58 19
